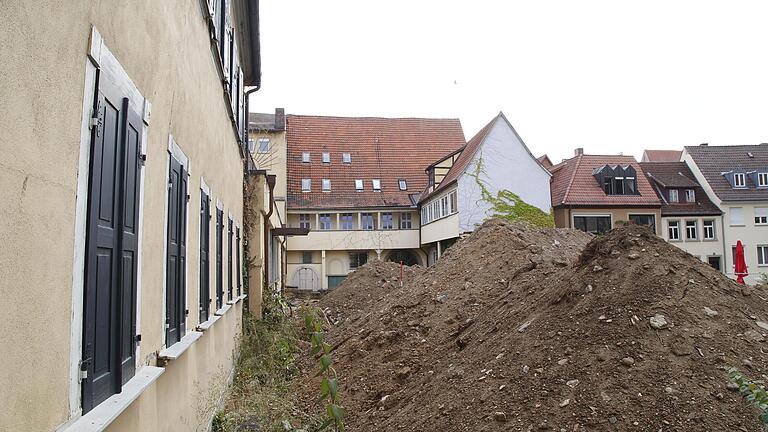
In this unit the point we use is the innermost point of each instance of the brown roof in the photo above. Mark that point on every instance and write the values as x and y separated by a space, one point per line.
677 175
388 149
714 161
574 185
662 155
545 161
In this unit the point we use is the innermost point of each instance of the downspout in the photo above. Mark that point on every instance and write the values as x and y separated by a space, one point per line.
271 180
247 117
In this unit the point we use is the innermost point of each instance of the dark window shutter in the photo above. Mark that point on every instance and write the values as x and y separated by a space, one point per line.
219 266
205 265
229 259
237 249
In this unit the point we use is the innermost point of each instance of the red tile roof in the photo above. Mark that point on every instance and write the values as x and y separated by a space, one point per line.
388 149
574 185
662 155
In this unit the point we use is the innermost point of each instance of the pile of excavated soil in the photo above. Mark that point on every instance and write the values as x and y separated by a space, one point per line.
525 329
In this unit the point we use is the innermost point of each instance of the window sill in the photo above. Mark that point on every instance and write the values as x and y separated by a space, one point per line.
241 297
176 350
223 310
99 418
737 225
231 302
208 324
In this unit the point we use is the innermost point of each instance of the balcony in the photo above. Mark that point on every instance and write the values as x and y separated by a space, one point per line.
356 240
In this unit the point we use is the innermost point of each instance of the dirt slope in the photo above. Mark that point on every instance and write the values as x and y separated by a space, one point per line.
524 329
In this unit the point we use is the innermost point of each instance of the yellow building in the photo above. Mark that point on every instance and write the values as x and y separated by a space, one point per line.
124 132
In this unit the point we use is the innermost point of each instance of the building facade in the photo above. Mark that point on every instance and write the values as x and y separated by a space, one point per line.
354 183
735 178
456 200
689 219
595 193
123 239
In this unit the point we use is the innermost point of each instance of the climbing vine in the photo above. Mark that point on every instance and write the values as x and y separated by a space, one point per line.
508 205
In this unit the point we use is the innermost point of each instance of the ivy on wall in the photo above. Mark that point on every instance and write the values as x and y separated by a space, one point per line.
508 205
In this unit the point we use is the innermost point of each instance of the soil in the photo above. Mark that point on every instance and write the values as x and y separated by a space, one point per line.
526 329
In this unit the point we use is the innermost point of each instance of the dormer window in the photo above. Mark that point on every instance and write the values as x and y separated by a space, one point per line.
673 196
376 185
617 180
305 157
762 179
739 180
690 195
326 158
346 158
359 185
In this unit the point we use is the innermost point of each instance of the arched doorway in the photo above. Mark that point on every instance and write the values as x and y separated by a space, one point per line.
305 278
408 257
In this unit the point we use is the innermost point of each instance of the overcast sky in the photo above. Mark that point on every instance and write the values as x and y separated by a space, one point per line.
608 76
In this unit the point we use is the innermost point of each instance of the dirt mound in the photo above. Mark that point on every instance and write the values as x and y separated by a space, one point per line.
528 329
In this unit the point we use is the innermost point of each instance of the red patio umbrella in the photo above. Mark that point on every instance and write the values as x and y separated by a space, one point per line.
740 266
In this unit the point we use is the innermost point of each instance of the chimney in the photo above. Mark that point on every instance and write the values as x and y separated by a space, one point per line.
703 144
579 151
280 119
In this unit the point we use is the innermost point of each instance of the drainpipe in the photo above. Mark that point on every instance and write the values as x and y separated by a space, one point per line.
271 180
247 117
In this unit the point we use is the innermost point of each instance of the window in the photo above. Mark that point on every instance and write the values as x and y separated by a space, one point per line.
326 185
306 257
204 303
237 261
263 145
376 184
454 203
387 221
306 185
325 221
690 230
346 221
326 158
762 255
673 228
219 258
357 259
359 185
251 146
367 221
630 186
649 220
733 254
444 206
762 179
304 221
761 215
592 224
405 221
739 180
403 184
690 195
673 196
618 185
709 229
346 158
306 157
736 216
175 287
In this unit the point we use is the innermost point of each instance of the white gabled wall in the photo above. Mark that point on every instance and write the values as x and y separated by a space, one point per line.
506 164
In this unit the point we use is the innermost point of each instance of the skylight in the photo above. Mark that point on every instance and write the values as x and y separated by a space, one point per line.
346 158
376 184
403 184
358 185
305 157
306 185
326 185
326 158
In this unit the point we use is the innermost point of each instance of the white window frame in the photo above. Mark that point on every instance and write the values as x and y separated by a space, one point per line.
742 183
690 195
251 145
761 215
676 228
306 185
406 221
359 185
762 179
343 222
695 227
306 157
346 158
762 255
305 221
391 221
706 229
376 184
326 185
325 225
674 196
362 221
262 142
326 158
403 184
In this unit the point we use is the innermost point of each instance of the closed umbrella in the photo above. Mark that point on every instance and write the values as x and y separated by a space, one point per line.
740 266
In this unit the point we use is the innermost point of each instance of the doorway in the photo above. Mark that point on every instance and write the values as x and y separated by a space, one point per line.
714 261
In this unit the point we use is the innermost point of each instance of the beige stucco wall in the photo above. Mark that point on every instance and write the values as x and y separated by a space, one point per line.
356 240
275 163
441 229
751 236
700 248
564 218
165 49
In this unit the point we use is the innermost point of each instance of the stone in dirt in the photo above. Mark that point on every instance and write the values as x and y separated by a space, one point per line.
659 322
710 312
500 416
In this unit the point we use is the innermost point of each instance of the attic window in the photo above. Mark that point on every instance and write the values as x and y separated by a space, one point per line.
376 184
306 185
403 184
346 158
762 179
359 185
326 185
305 157
739 180
617 180
326 158
690 195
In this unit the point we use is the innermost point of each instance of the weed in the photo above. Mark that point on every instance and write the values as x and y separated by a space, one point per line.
753 392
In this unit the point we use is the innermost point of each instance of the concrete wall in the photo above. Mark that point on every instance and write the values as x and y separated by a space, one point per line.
165 49
506 165
564 217
441 229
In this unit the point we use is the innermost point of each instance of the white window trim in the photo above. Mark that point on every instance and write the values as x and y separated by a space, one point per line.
704 230
765 264
176 350
677 196
326 158
324 189
743 182
692 194
760 176
402 184
309 183
259 142
696 230
306 157
361 183
99 58
679 238
373 185
345 156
